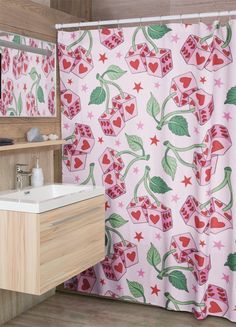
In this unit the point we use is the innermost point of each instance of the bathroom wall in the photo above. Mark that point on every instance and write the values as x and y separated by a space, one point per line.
113 9
79 8
34 20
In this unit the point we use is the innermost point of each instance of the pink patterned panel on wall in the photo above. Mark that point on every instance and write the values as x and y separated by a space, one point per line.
27 79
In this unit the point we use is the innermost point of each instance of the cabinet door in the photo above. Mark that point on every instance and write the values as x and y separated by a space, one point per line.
71 240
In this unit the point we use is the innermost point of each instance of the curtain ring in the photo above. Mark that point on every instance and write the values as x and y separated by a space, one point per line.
218 18
199 18
99 25
161 20
118 24
181 19
79 28
230 17
140 22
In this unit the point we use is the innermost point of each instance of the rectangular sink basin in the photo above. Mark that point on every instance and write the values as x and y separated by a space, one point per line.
47 197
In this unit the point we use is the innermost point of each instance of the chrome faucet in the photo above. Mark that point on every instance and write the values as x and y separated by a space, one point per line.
20 175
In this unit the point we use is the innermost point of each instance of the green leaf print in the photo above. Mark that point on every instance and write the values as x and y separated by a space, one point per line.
231 261
178 125
97 96
135 142
115 72
178 280
19 105
116 220
153 256
40 94
158 185
33 74
231 96
158 31
17 39
169 165
136 289
153 107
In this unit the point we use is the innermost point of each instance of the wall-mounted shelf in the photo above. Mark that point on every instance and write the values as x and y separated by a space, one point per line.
29 145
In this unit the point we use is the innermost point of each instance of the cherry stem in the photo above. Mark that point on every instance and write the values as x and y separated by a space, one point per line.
106 82
163 107
226 182
128 298
149 40
127 152
134 37
70 46
177 302
90 175
117 233
188 148
144 157
108 233
164 121
229 36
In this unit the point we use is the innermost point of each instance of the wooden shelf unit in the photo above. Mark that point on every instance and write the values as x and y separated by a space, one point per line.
29 145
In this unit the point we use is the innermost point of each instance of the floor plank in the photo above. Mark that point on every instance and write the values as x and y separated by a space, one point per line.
72 310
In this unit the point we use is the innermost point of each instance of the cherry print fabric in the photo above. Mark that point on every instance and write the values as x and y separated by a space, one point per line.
148 112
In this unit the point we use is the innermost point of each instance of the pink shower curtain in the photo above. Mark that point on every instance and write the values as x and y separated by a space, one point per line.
149 112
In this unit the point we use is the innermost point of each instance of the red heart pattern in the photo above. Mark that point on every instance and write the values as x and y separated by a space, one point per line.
131 256
154 218
200 260
184 240
214 307
135 64
119 267
136 214
106 160
185 81
86 285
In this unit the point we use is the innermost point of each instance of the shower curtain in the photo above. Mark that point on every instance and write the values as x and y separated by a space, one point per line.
149 112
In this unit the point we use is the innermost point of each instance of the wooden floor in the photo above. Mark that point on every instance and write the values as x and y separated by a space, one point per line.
69 310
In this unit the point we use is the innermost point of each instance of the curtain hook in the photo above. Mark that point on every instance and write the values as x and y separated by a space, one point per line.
181 19
118 24
99 25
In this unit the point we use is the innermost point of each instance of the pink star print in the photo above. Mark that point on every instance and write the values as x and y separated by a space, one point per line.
73 35
141 273
84 87
218 82
117 143
174 38
118 55
135 170
158 236
227 116
66 126
226 278
218 245
196 131
175 198
140 125
120 204
90 115
119 288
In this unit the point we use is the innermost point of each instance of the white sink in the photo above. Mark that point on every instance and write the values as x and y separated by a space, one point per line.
47 197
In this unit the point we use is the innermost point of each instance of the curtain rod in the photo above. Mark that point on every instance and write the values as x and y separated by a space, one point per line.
147 19
12 45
